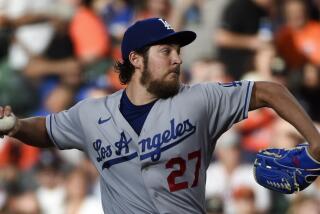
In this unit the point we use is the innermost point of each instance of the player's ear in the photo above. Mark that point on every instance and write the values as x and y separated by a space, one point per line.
136 59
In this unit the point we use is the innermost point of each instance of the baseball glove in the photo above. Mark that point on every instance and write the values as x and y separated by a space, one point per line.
286 171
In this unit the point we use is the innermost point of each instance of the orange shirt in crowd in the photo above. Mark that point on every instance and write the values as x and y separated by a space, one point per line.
89 35
257 129
299 46
13 152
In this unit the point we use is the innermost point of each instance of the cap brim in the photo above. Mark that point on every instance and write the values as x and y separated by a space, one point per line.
181 38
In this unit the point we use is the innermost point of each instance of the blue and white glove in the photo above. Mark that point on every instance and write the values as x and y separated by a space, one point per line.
286 171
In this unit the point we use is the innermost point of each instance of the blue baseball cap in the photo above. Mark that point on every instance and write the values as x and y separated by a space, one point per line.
152 31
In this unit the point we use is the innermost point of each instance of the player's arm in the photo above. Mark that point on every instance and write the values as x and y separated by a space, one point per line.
277 97
31 131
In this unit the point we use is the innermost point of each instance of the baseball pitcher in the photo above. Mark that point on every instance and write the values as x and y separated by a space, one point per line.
152 142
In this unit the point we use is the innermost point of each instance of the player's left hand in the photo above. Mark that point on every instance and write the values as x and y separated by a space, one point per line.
286 171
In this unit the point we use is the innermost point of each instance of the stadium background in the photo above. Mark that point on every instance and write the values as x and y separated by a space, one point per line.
54 53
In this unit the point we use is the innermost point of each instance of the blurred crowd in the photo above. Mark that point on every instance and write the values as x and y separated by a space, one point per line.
54 53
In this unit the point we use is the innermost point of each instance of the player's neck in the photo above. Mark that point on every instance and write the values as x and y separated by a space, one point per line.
138 94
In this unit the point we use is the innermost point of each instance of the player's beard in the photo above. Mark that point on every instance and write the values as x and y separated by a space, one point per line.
161 88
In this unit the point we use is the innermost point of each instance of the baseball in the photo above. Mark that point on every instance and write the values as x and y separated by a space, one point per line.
7 122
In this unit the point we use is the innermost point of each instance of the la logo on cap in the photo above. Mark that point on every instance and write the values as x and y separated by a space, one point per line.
152 31
166 24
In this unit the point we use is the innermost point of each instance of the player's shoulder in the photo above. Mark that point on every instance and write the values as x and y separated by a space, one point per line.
87 102
187 88
194 93
191 90
214 88
197 87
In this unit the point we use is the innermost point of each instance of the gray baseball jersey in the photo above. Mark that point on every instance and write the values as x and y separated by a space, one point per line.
163 170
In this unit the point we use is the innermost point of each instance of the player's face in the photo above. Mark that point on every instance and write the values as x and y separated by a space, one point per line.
161 73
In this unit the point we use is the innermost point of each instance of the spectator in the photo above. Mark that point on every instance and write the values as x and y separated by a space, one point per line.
208 70
56 100
229 173
154 8
117 15
89 47
25 21
202 17
297 41
314 9
238 38
310 90
50 192
256 132
284 135
30 21
304 204
244 199
23 203
36 21
88 60
93 177
263 62
15 154
78 201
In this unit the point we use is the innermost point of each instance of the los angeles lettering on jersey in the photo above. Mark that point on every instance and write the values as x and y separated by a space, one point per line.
121 151
150 147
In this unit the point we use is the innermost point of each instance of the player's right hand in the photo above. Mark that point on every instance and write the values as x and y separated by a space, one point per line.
8 121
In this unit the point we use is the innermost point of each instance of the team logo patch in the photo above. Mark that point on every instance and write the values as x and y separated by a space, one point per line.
231 84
